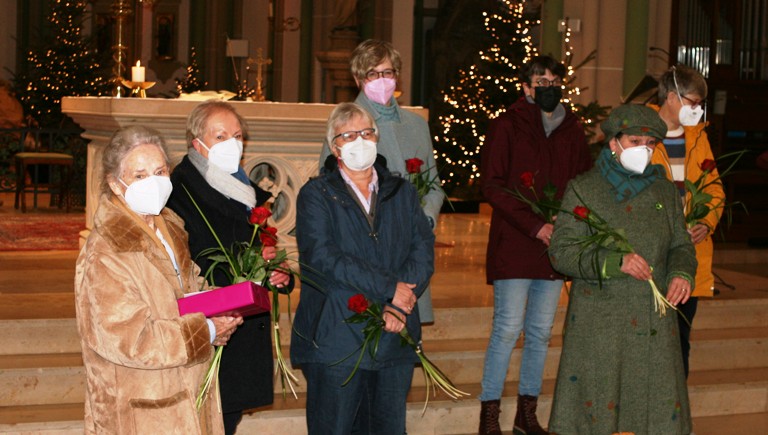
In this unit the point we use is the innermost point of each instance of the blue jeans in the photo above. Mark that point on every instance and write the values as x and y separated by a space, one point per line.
372 402
527 305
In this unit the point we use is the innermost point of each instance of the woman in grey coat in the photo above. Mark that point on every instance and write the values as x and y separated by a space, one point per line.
621 368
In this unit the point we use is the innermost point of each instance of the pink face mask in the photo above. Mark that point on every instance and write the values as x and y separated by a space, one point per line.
380 90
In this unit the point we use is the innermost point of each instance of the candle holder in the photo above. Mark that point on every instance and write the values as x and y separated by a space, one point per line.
138 89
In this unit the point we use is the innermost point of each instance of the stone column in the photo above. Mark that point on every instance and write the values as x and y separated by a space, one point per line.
635 44
551 39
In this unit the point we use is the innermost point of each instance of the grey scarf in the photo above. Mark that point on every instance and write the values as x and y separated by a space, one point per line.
550 122
222 182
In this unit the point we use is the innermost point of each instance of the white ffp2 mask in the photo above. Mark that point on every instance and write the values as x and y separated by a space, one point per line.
226 154
635 159
359 154
688 115
148 195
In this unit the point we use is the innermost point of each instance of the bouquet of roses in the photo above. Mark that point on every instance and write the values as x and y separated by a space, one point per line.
245 262
421 180
699 202
602 235
547 206
371 314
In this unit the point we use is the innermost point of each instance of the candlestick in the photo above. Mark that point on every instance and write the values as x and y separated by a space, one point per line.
121 10
137 72
138 89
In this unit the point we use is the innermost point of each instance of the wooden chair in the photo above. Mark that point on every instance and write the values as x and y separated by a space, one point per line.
31 162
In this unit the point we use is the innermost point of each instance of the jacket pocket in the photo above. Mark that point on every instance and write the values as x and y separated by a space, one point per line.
172 415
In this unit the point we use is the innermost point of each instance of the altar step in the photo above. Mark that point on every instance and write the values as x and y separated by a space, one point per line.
42 377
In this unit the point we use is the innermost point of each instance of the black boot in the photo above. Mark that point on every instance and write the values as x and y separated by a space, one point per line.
525 419
489 417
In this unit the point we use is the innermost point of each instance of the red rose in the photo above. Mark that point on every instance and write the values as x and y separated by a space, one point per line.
358 303
268 237
259 215
581 211
708 165
527 179
413 166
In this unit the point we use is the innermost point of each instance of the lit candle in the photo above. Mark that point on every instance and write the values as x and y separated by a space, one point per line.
137 73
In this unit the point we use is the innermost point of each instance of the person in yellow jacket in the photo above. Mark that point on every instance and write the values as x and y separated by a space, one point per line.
681 93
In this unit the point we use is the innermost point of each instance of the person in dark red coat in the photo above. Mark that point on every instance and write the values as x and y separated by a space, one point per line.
540 140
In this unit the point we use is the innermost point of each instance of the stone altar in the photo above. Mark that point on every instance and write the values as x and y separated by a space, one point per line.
281 152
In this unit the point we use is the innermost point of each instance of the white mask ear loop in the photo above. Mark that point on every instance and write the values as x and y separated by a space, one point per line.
123 182
677 88
203 144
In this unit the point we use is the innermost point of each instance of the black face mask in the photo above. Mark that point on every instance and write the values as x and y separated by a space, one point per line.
548 97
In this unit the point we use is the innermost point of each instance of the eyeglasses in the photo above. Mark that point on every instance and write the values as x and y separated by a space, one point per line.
545 82
349 136
387 74
694 103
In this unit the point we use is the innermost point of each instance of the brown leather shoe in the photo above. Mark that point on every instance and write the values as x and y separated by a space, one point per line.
489 417
525 419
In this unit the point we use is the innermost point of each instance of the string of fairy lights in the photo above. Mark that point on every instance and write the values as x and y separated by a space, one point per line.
474 98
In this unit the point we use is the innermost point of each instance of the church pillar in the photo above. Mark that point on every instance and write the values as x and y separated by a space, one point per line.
338 83
635 44
367 12
288 28
551 39
305 53
346 18
402 16
215 21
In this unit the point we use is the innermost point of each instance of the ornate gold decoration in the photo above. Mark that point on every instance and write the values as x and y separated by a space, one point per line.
260 62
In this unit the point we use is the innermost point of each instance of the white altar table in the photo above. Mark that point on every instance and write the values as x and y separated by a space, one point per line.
281 152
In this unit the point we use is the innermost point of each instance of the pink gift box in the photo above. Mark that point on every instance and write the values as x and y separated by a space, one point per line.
245 299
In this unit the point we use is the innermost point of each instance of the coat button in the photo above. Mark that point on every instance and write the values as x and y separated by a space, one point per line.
262 325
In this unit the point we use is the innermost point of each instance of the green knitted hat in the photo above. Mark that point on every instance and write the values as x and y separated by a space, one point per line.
634 119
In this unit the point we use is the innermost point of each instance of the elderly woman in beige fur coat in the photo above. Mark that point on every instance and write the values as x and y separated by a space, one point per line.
144 363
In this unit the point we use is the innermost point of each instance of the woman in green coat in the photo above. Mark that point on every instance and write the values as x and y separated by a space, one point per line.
621 368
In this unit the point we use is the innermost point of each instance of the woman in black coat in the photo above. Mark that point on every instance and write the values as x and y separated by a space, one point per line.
211 173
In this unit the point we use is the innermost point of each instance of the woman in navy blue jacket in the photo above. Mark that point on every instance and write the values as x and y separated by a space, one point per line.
359 230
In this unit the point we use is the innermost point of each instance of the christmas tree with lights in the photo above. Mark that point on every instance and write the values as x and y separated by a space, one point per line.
486 88
480 93
193 81
64 64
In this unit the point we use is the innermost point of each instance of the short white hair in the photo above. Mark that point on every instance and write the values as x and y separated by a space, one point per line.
344 113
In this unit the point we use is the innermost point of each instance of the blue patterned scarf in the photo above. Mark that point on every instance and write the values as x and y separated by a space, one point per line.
626 184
